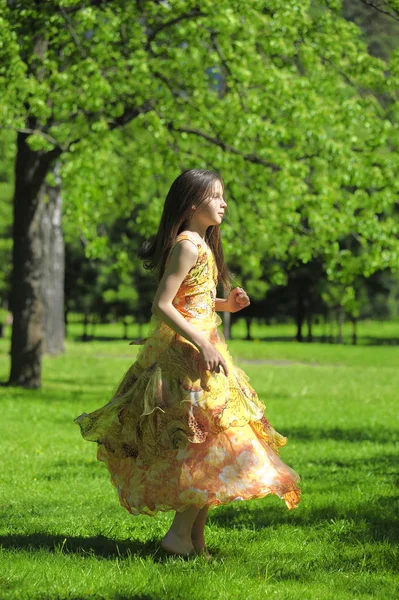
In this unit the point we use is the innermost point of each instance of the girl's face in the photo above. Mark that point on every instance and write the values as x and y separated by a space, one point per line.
212 209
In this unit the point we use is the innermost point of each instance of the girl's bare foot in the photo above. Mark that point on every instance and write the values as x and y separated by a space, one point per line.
197 533
174 544
200 546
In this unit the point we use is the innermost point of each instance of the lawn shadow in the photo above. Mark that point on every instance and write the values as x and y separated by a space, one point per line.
380 435
373 521
91 546
116 596
97 546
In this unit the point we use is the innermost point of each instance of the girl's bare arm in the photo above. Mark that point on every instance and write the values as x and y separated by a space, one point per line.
220 305
183 258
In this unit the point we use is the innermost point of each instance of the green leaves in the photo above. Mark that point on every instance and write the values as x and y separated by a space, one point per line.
282 99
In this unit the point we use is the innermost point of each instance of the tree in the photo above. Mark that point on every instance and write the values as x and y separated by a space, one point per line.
249 89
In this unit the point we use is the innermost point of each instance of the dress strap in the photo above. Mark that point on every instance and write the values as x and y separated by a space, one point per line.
188 236
184 236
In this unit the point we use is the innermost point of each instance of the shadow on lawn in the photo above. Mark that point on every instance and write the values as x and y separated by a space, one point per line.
93 546
115 596
373 521
97 546
379 434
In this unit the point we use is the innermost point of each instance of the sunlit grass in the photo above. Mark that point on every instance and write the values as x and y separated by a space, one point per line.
64 534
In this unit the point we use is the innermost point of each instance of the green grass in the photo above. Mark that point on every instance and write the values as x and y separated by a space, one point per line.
64 534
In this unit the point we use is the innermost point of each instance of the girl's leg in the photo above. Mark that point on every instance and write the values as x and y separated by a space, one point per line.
178 539
197 532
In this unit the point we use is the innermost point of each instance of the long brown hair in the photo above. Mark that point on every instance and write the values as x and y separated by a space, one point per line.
189 189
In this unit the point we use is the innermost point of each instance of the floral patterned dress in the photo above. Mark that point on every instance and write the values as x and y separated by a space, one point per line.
175 434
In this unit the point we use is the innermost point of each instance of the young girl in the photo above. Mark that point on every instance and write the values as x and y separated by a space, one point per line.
184 430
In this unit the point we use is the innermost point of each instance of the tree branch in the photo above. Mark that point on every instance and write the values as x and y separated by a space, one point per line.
192 14
346 77
43 134
96 3
226 147
73 33
228 70
380 10
130 113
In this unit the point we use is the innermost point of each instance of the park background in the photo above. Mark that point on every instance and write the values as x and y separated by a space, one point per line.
295 104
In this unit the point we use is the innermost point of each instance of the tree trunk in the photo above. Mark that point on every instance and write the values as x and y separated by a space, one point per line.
354 331
248 321
53 264
125 329
93 323
300 313
227 325
26 299
324 325
66 322
85 335
340 319
309 321
331 323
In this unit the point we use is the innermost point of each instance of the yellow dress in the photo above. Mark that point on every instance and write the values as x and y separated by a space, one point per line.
175 434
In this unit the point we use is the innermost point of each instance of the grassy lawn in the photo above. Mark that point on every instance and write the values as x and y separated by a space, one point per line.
64 534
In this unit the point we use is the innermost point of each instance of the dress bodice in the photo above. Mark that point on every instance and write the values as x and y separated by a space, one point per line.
195 300
196 296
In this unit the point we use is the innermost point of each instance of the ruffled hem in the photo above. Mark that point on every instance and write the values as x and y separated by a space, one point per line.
231 466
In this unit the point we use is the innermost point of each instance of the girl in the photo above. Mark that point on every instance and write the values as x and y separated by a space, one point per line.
184 430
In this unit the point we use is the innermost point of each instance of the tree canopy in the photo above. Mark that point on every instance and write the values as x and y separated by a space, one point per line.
284 100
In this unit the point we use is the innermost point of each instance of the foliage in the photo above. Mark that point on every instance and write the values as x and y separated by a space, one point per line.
284 100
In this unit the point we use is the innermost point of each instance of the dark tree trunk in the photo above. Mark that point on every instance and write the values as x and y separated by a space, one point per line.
300 312
93 323
340 319
66 314
331 323
354 331
248 321
125 330
53 263
26 301
227 325
324 324
85 335
309 324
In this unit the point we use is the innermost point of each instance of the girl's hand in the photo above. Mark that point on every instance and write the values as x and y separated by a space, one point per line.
237 300
212 359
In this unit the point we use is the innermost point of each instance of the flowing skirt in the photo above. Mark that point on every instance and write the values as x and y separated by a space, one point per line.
176 435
